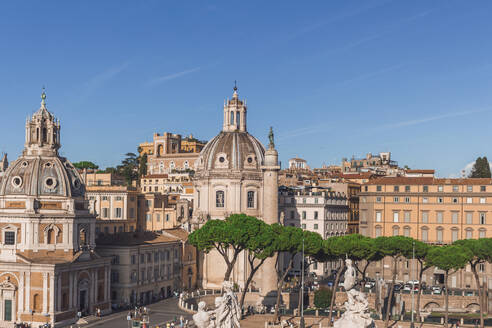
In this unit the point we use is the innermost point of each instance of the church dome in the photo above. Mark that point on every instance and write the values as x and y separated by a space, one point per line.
233 148
40 171
232 151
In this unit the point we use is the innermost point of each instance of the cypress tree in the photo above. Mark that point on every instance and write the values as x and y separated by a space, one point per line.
481 168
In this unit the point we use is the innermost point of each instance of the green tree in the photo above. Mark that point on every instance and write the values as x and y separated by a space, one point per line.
481 168
85 165
142 165
394 247
229 237
479 251
129 168
322 298
449 258
363 250
259 248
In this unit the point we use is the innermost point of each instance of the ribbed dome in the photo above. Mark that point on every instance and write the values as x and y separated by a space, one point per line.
42 176
232 150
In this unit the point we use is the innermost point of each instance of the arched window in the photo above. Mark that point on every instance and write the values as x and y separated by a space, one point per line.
36 303
396 230
251 199
425 234
406 231
378 231
182 210
482 233
219 198
439 234
37 134
160 149
45 135
51 236
232 118
469 233
454 234
238 119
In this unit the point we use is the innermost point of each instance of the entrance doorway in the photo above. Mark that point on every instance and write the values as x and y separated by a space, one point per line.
83 301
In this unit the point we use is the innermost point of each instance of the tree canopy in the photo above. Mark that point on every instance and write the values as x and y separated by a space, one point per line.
481 168
85 165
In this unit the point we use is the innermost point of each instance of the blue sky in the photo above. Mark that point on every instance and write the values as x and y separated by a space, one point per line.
334 78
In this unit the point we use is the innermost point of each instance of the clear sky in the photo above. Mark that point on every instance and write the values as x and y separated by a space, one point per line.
334 78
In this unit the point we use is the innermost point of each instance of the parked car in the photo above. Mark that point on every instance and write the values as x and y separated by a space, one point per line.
370 284
436 290
398 287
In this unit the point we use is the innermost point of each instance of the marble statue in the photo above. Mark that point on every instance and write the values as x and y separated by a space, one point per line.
356 313
227 311
202 318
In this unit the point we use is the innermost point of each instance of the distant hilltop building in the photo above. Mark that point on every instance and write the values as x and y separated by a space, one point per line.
170 153
4 164
298 163
379 164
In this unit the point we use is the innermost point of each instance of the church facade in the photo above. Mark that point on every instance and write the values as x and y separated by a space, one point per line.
48 268
235 173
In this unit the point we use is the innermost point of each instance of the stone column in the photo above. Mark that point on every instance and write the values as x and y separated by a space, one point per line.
52 292
106 283
70 290
28 291
270 214
21 292
59 294
45 292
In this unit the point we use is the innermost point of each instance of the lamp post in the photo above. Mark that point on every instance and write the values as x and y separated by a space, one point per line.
412 324
301 323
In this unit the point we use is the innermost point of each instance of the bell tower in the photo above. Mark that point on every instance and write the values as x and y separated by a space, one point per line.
42 132
234 114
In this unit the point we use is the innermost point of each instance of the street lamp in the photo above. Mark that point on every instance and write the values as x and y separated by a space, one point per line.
412 324
301 323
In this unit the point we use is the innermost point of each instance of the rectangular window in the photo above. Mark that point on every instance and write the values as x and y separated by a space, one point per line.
134 259
396 231
316 200
396 216
7 310
304 215
105 212
158 217
315 215
292 215
397 188
455 189
149 217
469 200
425 217
378 188
426 188
469 234
440 200
439 216
440 188
469 188
396 199
407 200
407 188
219 199
407 216
425 200
378 199
304 200
378 216
482 200
9 238
315 227
149 203
454 235
481 234
117 212
378 232
439 236
303 226
454 217
469 218
483 188
251 199
132 212
104 197
482 218
167 217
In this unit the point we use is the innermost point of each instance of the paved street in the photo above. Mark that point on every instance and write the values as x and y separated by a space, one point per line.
160 313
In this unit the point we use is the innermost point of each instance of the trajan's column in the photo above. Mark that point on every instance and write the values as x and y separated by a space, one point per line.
270 211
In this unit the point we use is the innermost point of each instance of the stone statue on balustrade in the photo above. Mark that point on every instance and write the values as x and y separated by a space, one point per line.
356 313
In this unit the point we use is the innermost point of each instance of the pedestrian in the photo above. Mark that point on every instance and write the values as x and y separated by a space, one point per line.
99 312
181 321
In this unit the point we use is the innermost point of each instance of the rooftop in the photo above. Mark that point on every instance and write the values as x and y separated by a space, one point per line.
135 239
428 181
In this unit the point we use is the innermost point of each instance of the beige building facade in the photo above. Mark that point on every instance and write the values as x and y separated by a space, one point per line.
435 211
48 267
